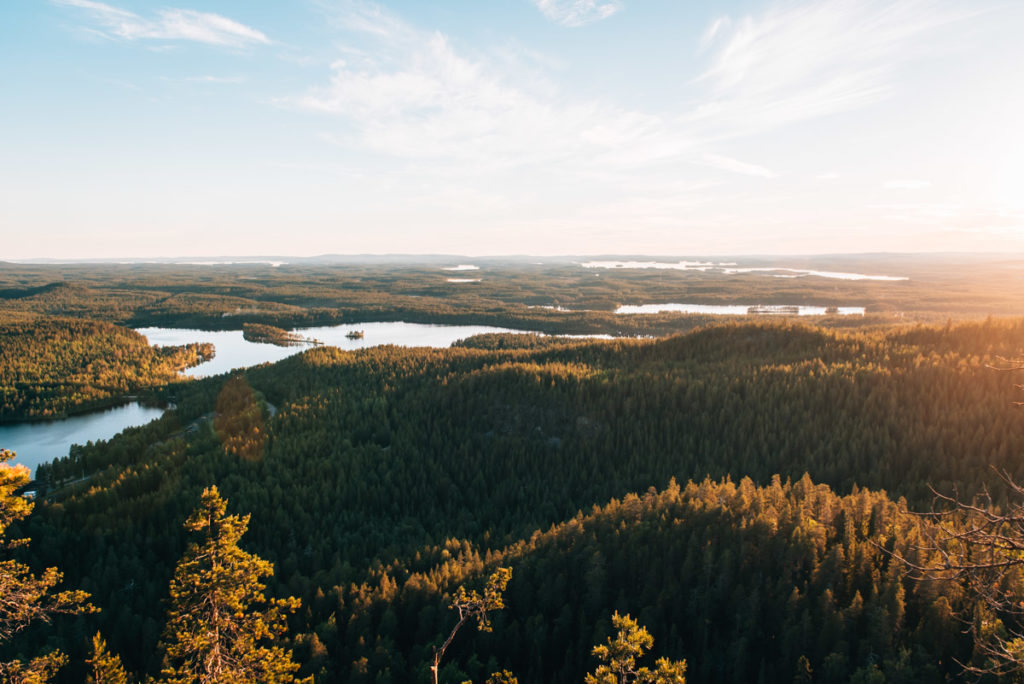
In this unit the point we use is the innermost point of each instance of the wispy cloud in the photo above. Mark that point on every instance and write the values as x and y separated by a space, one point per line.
800 61
714 29
413 94
421 98
736 166
906 184
168 24
215 79
577 12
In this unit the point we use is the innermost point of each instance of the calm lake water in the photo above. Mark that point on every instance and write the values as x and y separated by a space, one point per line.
37 443
737 309
233 351
732 268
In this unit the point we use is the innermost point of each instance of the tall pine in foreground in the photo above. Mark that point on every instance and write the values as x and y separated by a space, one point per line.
220 627
25 597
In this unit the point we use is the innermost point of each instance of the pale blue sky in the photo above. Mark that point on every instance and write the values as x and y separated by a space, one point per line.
134 129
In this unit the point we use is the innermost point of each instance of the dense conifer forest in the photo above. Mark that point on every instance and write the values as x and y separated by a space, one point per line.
743 490
52 366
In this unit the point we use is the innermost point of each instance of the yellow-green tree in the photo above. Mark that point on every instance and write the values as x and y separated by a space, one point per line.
220 627
621 653
106 667
26 597
471 605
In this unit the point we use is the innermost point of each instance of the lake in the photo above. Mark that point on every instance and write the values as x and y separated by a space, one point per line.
43 441
732 268
233 351
38 442
739 309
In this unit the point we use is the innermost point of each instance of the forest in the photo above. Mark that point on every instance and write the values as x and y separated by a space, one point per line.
50 367
269 334
556 295
745 490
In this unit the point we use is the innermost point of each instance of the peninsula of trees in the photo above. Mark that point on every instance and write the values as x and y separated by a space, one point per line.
50 367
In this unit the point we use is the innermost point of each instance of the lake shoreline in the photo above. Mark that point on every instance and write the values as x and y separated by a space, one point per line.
97 406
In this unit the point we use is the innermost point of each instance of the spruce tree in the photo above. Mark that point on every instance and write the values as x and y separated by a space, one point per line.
221 627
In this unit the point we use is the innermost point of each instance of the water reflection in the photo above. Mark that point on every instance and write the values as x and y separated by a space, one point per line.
39 442
742 309
235 352
43 441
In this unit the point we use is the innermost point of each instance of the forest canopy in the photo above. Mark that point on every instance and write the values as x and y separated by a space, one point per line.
558 460
741 490
50 367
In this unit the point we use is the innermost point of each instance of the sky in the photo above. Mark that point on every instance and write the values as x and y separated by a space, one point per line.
215 127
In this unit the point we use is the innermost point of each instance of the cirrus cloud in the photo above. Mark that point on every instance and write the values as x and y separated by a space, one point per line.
577 12
168 24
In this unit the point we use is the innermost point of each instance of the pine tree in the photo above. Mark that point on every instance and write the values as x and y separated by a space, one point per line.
106 666
472 605
220 625
26 596
621 653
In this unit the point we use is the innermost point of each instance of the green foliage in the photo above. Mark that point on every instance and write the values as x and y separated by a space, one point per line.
239 420
269 334
977 545
558 296
388 477
219 618
12 507
620 654
37 671
106 666
52 366
26 597
471 605
511 341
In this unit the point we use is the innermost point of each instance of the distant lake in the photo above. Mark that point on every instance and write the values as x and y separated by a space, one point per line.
731 268
234 351
43 441
740 309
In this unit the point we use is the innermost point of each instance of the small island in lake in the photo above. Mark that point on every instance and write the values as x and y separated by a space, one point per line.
355 334
269 334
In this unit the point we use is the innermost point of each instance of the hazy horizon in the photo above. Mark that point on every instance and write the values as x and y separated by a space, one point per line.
439 257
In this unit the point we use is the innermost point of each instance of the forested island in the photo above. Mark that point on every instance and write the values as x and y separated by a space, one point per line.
747 490
269 334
